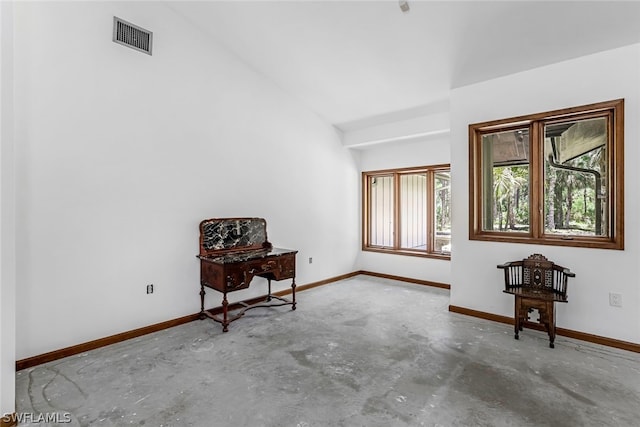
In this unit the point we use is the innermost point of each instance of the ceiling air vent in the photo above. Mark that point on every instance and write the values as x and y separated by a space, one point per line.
127 34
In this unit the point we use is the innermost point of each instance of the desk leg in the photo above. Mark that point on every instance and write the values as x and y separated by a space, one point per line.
225 306
202 315
269 294
293 293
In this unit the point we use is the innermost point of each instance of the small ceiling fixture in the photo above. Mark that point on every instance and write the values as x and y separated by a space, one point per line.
404 5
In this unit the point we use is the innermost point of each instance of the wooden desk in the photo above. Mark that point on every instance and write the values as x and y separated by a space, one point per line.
232 252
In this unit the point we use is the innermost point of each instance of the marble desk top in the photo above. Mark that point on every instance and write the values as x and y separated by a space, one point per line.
242 256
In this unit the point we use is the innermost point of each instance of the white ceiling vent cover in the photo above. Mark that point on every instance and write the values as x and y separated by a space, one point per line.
127 34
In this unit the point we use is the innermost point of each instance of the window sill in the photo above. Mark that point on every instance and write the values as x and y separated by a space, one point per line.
593 243
406 252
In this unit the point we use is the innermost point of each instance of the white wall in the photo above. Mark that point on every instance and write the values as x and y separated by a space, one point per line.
7 216
413 129
476 282
427 151
121 154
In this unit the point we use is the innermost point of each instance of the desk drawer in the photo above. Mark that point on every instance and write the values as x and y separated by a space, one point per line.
279 268
227 277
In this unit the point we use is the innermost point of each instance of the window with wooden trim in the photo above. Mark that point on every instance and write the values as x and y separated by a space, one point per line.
408 211
553 178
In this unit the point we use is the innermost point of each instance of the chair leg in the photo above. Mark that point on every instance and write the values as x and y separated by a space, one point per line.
516 321
552 324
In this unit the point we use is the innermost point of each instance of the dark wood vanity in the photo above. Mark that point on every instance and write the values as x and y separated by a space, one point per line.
232 252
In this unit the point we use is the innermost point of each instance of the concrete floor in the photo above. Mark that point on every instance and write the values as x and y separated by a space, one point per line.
360 352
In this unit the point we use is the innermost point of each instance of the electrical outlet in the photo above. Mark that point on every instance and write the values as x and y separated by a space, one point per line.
615 300
150 288
310 260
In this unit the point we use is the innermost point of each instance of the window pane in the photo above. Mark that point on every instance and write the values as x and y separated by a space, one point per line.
575 178
505 181
381 211
573 171
413 211
442 218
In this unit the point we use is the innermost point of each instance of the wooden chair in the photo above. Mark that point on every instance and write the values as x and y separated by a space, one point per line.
536 283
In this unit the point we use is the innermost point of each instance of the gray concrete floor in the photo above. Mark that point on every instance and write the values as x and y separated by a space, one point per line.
360 352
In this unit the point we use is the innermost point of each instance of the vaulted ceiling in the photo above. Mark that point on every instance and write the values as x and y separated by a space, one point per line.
357 61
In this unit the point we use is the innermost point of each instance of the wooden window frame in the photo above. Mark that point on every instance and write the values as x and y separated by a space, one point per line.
614 110
430 172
